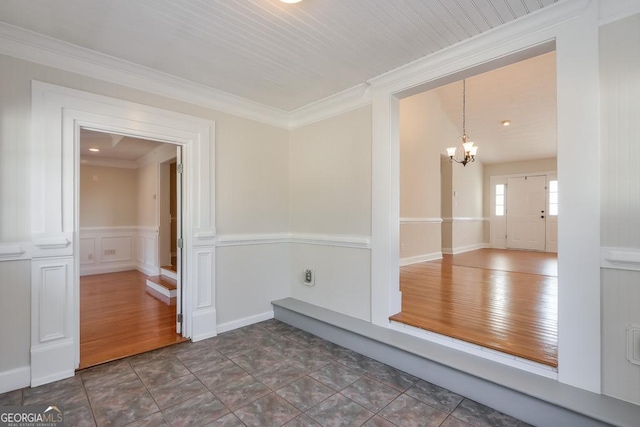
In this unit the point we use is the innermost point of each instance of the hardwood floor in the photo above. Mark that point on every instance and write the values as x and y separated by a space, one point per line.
499 299
119 318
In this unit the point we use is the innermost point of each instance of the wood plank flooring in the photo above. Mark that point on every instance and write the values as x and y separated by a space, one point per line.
499 299
119 318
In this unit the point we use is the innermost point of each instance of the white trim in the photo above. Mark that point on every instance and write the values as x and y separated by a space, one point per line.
345 241
90 270
572 28
169 293
251 239
108 163
420 258
476 350
245 321
34 47
15 379
620 258
448 220
339 103
15 251
462 249
340 240
614 10
58 114
421 220
470 50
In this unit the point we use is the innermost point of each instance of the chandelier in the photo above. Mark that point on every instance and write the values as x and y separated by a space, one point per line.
468 148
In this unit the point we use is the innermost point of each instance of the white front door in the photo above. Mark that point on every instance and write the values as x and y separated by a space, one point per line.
526 213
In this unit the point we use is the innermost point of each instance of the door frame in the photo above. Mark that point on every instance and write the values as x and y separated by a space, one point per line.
58 113
494 220
571 28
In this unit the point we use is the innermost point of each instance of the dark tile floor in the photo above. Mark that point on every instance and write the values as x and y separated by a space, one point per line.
267 374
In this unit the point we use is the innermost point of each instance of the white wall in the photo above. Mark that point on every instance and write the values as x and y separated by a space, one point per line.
620 147
423 128
252 192
331 195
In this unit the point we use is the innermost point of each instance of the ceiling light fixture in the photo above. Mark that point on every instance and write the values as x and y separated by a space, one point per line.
468 148
95 150
506 123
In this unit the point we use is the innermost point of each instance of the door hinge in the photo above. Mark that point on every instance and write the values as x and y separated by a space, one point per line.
180 243
179 168
180 318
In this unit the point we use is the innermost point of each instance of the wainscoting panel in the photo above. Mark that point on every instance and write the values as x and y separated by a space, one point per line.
51 335
113 249
204 314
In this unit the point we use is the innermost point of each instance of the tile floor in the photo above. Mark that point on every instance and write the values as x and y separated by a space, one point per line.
267 374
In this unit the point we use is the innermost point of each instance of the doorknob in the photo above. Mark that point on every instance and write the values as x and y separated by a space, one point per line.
542 211
541 216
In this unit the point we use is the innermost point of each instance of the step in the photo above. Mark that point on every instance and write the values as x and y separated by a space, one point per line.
169 271
164 285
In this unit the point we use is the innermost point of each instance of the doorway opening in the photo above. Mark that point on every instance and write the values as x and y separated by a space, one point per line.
478 243
130 208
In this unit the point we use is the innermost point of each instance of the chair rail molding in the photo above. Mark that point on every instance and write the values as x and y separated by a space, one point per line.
58 114
620 258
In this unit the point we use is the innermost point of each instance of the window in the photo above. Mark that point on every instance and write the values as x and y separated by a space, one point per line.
553 198
499 206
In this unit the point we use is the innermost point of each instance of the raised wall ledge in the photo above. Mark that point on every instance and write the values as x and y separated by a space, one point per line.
529 397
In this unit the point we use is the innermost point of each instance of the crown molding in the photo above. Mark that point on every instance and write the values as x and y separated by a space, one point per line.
108 162
34 47
341 102
454 56
614 10
44 50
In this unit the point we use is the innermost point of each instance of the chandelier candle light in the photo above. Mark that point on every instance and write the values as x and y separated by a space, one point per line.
469 149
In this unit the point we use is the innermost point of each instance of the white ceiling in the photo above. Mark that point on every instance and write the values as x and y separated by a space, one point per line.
113 147
524 93
281 55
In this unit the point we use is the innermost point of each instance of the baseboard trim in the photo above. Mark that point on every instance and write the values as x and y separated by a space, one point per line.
88 270
531 398
203 324
246 321
15 379
145 269
420 258
463 249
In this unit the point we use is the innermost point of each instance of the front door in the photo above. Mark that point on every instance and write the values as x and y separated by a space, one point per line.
526 216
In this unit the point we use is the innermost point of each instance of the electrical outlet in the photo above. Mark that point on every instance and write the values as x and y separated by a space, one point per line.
109 251
401 247
309 277
90 257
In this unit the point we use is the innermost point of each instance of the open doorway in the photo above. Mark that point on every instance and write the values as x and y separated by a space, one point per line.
478 242
130 258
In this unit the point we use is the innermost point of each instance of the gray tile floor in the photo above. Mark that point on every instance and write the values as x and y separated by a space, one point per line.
267 374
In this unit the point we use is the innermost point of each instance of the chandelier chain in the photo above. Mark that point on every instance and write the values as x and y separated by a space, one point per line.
464 106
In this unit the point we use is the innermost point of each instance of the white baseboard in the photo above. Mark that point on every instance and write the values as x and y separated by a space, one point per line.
246 321
15 379
89 270
148 270
52 362
462 249
420 258
203 324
